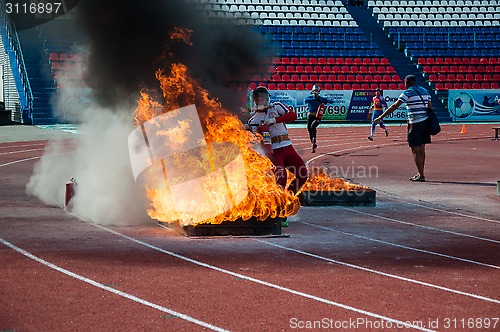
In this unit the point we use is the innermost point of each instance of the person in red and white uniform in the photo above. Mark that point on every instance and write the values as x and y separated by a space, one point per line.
272 117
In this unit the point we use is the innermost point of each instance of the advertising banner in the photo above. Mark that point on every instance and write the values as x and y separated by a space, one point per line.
348 105
474 105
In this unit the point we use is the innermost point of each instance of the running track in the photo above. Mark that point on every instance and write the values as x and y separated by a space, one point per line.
425 258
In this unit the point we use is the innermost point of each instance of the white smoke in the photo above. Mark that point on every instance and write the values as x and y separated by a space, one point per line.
98 160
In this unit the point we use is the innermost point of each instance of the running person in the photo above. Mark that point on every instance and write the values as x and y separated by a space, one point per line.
377 106
313 101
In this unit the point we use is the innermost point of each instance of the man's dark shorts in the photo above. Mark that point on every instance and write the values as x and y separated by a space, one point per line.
418 133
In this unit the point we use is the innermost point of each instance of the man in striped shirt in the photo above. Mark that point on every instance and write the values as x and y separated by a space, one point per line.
417 101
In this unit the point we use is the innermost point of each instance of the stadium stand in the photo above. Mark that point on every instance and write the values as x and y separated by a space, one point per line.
447 44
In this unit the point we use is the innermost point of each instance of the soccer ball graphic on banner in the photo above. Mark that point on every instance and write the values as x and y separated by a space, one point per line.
462 105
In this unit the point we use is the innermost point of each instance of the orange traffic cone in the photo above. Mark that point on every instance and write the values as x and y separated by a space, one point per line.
463 131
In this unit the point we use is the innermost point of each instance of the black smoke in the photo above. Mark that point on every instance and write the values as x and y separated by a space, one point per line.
129 40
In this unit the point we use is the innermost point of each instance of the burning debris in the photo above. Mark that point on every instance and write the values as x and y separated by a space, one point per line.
323 190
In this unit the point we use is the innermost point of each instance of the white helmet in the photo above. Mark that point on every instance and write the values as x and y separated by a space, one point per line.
316 88
260 92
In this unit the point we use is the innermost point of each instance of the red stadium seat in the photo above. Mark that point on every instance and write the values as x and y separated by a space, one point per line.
328 86
363 70
401 86
390 70
457 61
54 57
460 77
309 86
335 69
281 69
304 61
433 78
64 57
373 70
373 86
375 61
439 86
358 61
493 61
476 85
384 61
451 77
431 61
300 86
313 78
488 77
340 61
308 69
323 78
337 86
285 61
448 86
299 69
448 61
457 86
384 86
393 86
367 62
281 86
56 66
290 86
439 61
304 78
355 86
369 79
365 86
354 69
467 85
294 61
322 61
349 61
474 61
313 61
285 78
478 77
318 69
252 86
485 85
494 85
331 61
378 78
341 78
272 86
295 78
327 69
346 86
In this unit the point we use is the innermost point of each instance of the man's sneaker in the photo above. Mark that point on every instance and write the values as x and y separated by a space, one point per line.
370 138
284 222
314 146
386 133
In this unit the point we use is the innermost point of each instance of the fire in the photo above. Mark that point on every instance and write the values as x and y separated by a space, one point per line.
319 180
226 141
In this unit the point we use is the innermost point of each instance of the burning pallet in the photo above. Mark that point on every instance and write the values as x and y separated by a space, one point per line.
338 198
239 227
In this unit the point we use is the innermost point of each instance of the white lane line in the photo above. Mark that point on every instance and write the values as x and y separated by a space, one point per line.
422 283
19 161
265 283
401 246
109 289
422 226
21 146
22 151
455 213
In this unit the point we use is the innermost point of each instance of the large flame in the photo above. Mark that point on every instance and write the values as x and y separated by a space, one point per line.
265 197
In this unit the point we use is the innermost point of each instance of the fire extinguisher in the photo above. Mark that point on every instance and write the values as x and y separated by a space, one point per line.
69 193
321 110
267 145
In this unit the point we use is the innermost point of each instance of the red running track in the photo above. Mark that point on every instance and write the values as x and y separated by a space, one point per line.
425 258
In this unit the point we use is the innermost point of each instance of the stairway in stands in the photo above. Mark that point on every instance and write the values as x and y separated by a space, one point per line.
403 65
39 75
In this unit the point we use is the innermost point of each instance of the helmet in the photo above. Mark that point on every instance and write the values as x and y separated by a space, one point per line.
316 88
259 92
